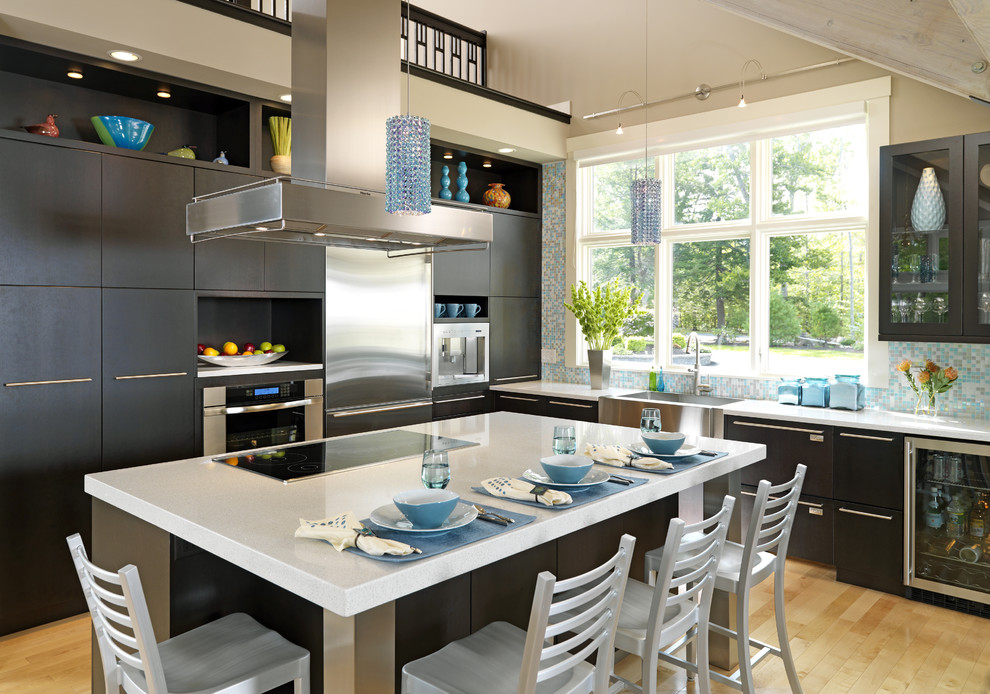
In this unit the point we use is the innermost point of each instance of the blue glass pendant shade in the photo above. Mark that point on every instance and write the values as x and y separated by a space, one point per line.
647 197
407 165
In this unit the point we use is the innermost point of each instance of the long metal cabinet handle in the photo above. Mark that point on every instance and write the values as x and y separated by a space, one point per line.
354 413
864 436
131 378
516 378
777 426
774 498
268 407
864 513
570 404
473 397
47 383
516 397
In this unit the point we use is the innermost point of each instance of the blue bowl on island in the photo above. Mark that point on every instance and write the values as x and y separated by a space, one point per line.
663 442
566 469
426 508
123 132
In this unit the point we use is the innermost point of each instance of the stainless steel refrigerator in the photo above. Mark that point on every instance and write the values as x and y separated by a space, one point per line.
379 312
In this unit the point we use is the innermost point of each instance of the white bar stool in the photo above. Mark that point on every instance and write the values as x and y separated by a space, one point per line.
232 655
503 659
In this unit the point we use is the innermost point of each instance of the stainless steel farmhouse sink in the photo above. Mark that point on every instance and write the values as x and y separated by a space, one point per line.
699 415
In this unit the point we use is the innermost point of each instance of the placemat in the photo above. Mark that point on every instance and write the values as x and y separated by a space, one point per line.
431 544
679 465
577 497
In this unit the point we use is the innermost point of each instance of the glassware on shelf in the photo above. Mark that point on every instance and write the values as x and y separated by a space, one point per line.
895 315
903 307
914 268
895 266
920 307
925 269
985 307
940 305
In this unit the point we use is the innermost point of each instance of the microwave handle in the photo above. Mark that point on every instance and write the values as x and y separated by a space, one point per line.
268 407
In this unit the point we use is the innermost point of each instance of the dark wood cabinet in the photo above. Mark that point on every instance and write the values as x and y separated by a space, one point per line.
50 219
149 366
868 468
547 405
462 273
516 256
236 264
514 325
812 535
460 405
50 429
293 267
518 402
569 408
144 224
787 445
869 546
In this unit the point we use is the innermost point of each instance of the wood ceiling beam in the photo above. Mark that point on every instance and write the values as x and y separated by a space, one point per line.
923 39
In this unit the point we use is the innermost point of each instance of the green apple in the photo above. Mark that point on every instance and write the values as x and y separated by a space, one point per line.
265 346
278 348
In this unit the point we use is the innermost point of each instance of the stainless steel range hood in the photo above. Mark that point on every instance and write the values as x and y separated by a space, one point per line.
339 47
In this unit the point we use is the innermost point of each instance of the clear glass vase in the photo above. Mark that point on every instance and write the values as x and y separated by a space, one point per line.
927 405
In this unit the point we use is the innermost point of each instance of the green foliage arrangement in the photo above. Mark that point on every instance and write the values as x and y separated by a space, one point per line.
281 130
601 311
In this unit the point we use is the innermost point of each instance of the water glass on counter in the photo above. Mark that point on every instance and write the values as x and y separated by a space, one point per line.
564 441
436 469
649 422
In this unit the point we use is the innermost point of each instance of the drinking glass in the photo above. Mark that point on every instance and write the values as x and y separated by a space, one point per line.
920 308
903 307
914 268
941 306
564 441
650 420
436 469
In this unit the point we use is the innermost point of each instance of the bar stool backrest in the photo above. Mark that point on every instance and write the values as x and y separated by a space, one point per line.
770 525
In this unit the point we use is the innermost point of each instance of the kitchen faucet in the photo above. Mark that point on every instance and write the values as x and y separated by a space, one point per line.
699 387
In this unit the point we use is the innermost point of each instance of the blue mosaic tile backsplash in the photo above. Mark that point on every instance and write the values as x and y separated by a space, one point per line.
968 398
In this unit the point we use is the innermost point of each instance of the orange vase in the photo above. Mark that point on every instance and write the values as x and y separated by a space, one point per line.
496 197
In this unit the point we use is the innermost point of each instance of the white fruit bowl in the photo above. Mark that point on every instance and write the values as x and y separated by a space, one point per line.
243 359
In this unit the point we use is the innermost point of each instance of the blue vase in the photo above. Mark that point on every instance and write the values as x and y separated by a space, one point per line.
445 193
462 195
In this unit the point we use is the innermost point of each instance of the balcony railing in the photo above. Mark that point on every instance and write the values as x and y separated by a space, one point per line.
444 46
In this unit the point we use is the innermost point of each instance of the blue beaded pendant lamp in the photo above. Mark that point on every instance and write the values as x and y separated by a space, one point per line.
407 155
646 193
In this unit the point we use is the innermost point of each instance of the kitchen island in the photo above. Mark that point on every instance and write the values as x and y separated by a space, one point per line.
156 515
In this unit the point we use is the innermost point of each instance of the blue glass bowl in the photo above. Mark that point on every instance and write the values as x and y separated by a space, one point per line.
426 508
566 469
663 442
123 132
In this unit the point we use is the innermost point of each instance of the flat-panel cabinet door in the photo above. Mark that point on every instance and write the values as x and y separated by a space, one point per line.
514 325
149 364
869 547
787 445
869 467
144 224
580 410
50 217
460 405
461 273
812 534
518 402
237 264
295 267
50 434
517 256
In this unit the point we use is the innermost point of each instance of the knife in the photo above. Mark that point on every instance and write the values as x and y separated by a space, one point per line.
492 519
619 480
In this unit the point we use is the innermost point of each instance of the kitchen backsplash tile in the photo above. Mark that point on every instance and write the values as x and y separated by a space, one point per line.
968 398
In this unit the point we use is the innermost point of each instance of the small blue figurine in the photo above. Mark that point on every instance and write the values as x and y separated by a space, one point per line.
445 193
462 195
222 159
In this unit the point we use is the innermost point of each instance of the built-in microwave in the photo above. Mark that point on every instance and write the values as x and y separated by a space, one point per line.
460 354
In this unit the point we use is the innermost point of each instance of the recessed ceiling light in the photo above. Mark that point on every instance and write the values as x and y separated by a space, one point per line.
74 74
486 164
448 155
287 98
125 56
506 150
164 94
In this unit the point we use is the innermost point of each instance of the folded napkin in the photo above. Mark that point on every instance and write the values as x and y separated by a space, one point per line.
525 491
619 456
345 531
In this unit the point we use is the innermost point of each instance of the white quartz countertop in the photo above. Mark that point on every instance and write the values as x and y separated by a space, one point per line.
249 519
572 391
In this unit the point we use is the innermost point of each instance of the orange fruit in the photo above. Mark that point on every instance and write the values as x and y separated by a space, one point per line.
210 352
233 461
229 348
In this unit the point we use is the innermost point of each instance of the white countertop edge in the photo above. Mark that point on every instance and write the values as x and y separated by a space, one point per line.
271 368
573 391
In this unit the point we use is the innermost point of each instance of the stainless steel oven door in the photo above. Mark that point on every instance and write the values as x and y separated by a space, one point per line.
460 354
241 427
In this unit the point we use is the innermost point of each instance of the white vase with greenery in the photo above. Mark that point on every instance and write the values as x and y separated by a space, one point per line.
601 313
280 128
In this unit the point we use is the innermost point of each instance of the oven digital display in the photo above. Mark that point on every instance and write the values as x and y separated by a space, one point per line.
266 391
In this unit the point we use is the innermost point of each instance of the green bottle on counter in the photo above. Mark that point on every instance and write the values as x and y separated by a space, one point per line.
653 379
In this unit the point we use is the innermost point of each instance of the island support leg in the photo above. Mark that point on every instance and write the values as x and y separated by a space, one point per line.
722 650
359 652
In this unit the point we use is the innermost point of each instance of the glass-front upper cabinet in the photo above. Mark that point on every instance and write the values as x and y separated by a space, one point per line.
921 239
976 222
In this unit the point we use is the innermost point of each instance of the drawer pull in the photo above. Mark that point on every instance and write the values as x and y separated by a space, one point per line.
809 504
516 378
570 404
777 426
131 378
516 397
864 513
864 436
48 383
816 512
374 410
473 397
745 493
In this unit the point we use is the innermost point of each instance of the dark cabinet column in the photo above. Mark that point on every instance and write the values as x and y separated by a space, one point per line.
515 335
228 263
51 438
149 365
462 273
144 224
50 215
295 267
516 257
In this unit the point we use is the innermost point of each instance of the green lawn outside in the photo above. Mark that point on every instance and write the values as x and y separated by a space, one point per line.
797 352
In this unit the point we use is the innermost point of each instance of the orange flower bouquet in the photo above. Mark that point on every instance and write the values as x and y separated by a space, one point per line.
932 381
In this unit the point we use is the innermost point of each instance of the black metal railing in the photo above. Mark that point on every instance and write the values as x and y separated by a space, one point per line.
271 14
443 46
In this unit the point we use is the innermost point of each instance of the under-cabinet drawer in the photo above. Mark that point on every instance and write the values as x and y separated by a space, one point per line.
869 547
517 402
581 410
868 467
811 536
460 405
787 445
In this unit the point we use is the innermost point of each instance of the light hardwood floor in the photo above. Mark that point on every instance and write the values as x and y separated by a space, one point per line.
844 639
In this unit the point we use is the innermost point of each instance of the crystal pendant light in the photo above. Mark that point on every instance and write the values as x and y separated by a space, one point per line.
407 155
646 193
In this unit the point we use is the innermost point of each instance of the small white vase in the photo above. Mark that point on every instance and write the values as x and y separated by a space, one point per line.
928 208
282 164
600 365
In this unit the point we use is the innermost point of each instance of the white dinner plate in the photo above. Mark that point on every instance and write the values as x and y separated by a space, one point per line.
683 452
391 518
243 359
594 476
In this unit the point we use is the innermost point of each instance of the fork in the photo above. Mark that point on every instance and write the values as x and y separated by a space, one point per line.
485 512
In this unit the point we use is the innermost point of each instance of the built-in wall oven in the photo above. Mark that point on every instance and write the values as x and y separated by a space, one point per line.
460 354
236 418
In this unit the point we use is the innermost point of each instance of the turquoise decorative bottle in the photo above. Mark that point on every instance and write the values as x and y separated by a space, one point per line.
462 194
445 193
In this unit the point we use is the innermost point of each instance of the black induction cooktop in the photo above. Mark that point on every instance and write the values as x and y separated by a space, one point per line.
297 462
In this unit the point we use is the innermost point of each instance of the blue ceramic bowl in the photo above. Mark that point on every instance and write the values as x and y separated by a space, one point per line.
566 469
123 132
426 508
663 442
